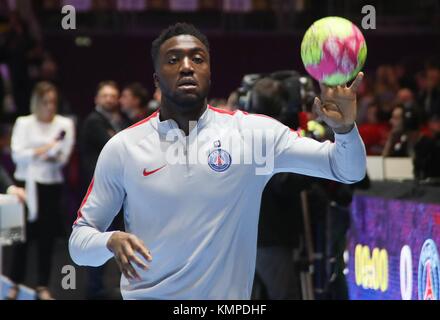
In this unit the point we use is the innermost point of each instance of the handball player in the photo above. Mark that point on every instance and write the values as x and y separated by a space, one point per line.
191 228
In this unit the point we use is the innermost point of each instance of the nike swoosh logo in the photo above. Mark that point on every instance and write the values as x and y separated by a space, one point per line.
147 173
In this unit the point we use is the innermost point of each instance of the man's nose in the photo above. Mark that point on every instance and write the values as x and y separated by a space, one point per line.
186 67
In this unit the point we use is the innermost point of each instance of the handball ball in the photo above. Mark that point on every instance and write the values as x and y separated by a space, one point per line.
333 50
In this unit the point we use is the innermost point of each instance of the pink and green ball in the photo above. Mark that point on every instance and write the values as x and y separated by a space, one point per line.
333 50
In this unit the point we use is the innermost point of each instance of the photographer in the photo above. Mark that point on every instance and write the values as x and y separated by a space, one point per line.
280 223
281 255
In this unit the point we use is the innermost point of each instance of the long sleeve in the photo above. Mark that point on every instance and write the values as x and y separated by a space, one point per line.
5 180
63 149
343 161
21 152
104 199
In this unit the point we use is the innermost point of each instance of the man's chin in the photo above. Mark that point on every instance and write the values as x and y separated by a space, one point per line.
189 102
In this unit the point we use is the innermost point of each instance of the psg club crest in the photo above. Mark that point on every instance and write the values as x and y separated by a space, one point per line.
219 160
429 272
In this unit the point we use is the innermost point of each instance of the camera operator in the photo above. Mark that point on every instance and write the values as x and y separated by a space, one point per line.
280 223
281 226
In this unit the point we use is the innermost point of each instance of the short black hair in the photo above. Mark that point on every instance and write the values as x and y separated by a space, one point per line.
107 83
269 97
139 91
180 28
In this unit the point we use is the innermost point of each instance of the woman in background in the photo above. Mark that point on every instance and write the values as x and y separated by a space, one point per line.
41 145
404 134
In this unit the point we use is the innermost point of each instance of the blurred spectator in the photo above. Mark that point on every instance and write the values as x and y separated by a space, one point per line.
2 94
17 51
7 186
48 71
5 148
41 145
365 98
404 78
217 103
404 134
385 88
430 89
386 80
269 97
46 68
280 214
134 100
8 103
35 60
100 125
232 102
420 78
427 150
405 97
154 103
374 131
98 128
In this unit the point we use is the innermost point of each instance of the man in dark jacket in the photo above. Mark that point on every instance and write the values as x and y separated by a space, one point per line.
7 186
100 125
280 224
5 181
134 101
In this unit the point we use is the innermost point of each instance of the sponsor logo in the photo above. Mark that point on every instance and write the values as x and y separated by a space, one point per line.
147 173
429 272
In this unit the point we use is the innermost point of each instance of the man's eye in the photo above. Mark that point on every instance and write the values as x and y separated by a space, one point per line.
172 60
198 60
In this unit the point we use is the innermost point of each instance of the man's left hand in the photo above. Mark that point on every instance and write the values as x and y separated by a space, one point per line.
338 106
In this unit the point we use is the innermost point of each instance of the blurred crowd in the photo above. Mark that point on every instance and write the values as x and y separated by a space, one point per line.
48 154
399 115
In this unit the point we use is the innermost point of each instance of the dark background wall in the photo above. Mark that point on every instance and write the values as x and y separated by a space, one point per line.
126 58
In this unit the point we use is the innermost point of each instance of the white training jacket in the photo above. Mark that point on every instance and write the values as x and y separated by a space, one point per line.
28 134
198 217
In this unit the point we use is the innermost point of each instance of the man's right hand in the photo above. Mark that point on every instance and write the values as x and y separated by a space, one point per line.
124 246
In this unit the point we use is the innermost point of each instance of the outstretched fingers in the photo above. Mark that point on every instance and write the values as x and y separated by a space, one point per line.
357 82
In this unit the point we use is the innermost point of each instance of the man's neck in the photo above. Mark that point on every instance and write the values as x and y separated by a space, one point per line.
113 117
106 112
183 119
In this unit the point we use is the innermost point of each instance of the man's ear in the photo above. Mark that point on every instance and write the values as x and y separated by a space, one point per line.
156 80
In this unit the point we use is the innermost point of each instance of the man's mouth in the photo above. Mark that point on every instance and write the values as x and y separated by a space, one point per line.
187 84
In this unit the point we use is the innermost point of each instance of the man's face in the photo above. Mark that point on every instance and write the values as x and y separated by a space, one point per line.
432 78
108 98
397 119
183 71
405 96
129 102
